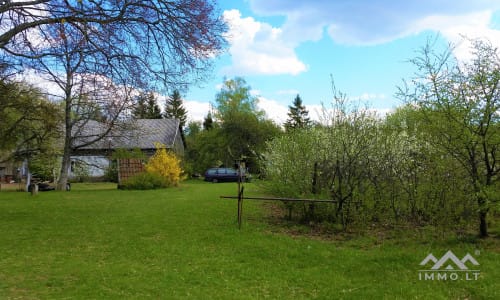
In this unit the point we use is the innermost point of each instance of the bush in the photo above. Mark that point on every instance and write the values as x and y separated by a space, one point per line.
111 172
144 181
166 165
162 170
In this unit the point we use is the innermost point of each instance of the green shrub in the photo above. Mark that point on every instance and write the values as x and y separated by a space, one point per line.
111 172
144 181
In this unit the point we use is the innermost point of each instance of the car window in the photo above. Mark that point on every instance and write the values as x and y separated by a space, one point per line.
211 171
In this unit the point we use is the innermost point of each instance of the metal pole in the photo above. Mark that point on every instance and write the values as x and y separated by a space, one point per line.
240 207
240 194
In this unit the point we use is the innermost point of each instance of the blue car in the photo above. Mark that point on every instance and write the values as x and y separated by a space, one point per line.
223 175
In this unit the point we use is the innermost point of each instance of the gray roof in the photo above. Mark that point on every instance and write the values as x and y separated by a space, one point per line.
140 133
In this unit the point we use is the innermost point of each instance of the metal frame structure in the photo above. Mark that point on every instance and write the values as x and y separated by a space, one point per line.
241 189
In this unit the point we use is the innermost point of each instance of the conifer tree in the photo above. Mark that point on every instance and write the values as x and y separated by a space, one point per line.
146 107
298 116
208 123
174 108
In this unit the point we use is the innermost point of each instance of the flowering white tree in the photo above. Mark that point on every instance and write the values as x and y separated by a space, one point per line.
461 104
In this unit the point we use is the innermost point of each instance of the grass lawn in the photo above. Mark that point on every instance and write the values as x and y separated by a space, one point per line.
100 243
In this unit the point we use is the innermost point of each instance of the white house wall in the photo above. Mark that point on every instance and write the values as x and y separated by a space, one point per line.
96 165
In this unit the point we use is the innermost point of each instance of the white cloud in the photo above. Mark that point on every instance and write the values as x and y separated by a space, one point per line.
370 96
258 48
279 112
456 28
288 92
45 84
273 109
196 110
315 112
359 22
254 93
381 112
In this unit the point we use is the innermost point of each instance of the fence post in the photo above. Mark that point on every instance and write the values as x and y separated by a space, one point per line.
34 189
240 207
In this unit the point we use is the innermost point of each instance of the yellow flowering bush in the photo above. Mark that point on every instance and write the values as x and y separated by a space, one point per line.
165 164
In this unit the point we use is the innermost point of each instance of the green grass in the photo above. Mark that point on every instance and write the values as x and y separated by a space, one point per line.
100 243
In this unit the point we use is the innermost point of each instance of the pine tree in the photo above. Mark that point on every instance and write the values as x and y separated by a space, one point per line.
298 116
140 107
153 110
146 107
174 108
208 123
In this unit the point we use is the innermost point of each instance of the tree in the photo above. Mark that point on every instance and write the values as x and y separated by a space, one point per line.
146 106
297 115
29 120
193 128
238 131
30 124
351 133
422 184
242 124
208 122
461 106
204 150
190 30
174 108
235 97
101 51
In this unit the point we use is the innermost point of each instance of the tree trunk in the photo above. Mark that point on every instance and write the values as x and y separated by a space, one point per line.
483 225
483 213
63 178
66 160
482 203
28 181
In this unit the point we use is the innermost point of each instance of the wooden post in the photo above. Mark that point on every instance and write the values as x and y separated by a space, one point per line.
240 192
314 190
34 189
240 207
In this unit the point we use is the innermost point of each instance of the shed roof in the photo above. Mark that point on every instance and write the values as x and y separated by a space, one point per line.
139 133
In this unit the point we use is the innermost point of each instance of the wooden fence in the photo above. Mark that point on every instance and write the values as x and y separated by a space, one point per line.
128 167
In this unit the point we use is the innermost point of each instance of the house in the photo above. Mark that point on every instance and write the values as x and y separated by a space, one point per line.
12 169
143 134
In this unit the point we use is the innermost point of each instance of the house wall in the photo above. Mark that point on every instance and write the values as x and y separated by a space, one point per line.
93 165
12 171
96 162
178 146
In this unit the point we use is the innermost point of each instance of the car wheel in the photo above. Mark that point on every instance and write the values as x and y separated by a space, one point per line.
214 180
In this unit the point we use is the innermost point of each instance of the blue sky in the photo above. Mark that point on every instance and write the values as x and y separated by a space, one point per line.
283 48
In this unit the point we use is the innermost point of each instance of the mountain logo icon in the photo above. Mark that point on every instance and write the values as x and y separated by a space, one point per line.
449 261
